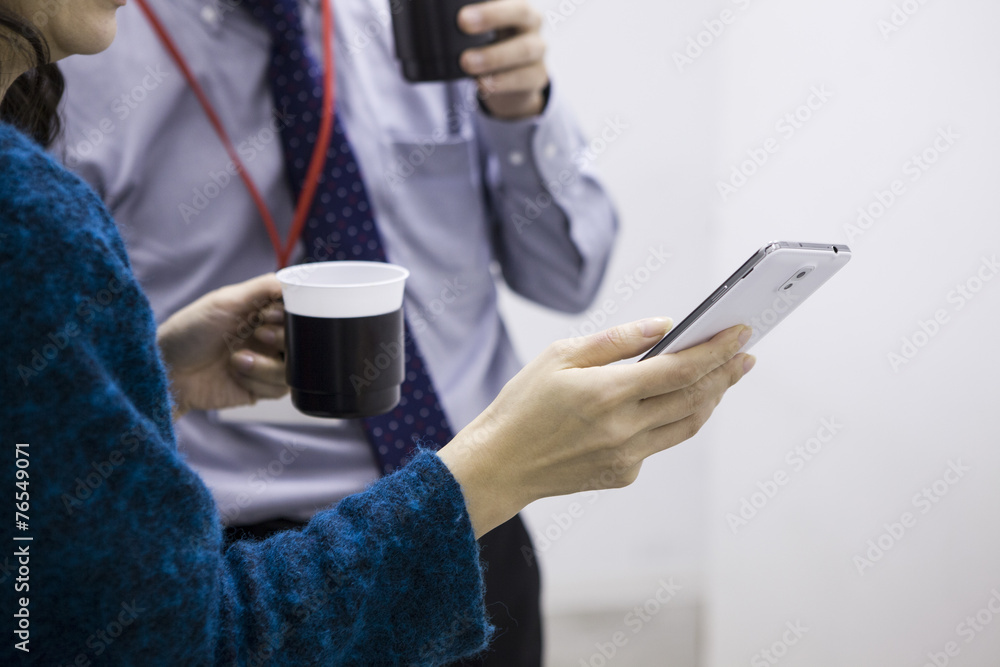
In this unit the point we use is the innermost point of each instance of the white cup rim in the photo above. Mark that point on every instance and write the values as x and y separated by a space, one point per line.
343 289
399 273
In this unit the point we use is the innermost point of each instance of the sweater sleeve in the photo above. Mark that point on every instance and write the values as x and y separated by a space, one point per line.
125 563
389 577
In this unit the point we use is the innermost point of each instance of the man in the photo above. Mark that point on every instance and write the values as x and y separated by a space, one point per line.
456 186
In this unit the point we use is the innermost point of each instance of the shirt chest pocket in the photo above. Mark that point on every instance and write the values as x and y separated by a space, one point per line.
438 203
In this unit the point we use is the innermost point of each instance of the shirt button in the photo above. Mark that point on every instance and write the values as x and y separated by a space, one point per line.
516 158
209 15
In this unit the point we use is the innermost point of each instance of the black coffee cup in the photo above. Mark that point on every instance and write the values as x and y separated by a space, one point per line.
344 336
429 41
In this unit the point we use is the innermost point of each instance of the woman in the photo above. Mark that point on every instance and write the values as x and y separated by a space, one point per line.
118 549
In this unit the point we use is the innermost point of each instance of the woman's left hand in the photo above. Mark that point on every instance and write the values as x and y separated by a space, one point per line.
227 348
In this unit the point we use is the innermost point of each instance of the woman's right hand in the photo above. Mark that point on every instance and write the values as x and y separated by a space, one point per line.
569 422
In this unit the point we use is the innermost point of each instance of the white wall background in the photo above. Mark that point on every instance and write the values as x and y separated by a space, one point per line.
890 93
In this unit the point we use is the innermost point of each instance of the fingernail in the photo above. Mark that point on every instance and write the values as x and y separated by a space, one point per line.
473 61
745 336
654 327
267 335
274 314
748 364
243 362
472 18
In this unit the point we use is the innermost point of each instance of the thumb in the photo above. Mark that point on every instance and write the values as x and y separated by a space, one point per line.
617 343
254 294
261 287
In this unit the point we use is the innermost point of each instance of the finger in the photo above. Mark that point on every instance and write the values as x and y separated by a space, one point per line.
512 53
266 286
258 368
665 437
529 79
261 294
610 345
656 440
665 373
272 336
483 17
658 411
263 390
273 313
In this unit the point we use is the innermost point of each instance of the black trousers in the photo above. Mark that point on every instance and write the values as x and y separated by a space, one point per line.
512 591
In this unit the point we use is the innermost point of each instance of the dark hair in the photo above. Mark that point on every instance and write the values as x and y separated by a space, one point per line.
32 101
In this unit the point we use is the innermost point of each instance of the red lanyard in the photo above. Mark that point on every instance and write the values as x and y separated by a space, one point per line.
319 152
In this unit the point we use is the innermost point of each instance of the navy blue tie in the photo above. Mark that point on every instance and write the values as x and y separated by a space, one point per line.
341 225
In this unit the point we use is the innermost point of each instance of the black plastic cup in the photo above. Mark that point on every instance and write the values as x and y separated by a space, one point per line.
344 337
429 41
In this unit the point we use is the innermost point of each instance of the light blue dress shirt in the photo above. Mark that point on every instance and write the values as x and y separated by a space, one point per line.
461 200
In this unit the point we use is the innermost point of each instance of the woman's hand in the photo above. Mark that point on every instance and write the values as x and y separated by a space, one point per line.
568 422
226 349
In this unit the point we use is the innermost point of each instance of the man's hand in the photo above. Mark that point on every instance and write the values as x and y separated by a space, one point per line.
569 422
226 349
511 73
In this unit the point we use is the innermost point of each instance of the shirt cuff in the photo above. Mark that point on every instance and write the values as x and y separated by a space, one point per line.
535 153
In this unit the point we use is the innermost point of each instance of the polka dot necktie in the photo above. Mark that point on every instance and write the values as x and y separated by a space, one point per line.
341 225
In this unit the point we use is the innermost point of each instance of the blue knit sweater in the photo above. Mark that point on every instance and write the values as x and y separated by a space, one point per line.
126 564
